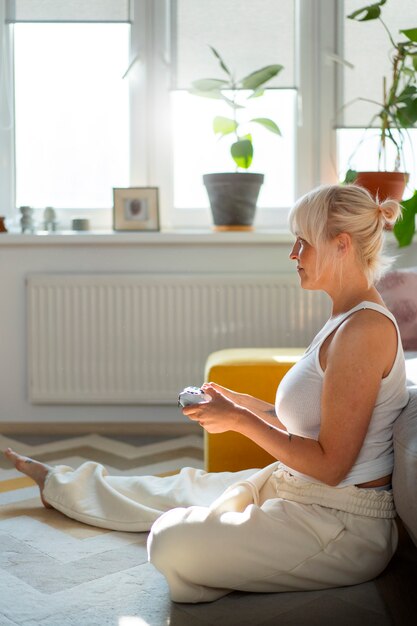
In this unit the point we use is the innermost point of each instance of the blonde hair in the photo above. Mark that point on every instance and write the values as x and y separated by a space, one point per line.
330 210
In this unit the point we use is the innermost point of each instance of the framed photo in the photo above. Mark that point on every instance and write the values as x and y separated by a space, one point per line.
135 208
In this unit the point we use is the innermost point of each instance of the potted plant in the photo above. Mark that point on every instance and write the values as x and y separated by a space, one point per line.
396 113
233 195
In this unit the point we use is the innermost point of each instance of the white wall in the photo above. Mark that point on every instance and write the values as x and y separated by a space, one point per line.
142 252
208 252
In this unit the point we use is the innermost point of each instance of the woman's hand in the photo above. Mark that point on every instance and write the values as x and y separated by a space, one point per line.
234 396
219 414
260 408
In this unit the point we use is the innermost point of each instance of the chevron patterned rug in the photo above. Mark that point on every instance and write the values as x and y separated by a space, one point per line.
57 572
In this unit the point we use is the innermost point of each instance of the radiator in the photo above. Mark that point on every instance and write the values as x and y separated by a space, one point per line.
140 338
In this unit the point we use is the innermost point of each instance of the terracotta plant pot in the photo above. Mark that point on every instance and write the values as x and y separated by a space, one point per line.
383 184
233 197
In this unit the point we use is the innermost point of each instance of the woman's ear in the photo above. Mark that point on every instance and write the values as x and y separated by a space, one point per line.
344 243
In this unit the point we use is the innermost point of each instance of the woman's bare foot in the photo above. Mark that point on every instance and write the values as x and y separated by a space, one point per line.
34 469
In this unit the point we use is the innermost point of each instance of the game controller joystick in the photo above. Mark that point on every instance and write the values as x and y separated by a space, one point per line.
192 395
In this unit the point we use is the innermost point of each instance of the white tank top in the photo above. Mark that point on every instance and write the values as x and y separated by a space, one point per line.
298 404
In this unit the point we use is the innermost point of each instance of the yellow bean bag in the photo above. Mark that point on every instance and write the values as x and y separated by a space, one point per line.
256 371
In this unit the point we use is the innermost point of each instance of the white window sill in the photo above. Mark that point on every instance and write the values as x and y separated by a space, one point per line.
406 257
168 237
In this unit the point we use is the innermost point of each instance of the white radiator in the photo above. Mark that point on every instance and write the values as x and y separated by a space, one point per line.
133 339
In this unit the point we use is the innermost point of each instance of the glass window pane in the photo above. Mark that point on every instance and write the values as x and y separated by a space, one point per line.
72 116
248 35
368 48
197 151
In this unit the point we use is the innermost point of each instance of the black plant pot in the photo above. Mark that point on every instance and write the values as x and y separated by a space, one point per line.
233 197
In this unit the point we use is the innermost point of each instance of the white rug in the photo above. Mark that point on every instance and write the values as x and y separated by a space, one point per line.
57 572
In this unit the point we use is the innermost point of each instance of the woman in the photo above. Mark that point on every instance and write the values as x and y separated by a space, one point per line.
321 516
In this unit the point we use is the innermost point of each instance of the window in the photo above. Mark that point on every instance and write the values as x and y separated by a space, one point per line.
197 151
81 129
64 104
269 37
366 47
71 114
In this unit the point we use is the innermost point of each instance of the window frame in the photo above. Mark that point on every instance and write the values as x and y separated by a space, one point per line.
7 152
319 27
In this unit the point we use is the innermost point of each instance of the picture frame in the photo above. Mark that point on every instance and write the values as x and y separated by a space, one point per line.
136 208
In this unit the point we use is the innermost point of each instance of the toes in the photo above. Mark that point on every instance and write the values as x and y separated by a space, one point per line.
11 455
35 470
20 462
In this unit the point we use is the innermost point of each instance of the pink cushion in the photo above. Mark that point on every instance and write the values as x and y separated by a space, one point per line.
398 289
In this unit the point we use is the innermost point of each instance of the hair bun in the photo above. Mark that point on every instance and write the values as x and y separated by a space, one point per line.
390 210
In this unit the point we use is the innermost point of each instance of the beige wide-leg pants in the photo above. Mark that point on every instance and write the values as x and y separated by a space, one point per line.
255 530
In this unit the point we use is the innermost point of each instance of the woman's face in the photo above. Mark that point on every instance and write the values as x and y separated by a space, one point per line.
307 266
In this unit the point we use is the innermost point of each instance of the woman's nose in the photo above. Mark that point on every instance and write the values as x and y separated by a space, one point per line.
294 252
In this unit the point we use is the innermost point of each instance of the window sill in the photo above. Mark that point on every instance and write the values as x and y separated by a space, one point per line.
168 237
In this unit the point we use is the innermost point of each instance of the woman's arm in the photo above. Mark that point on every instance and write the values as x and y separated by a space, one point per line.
355 362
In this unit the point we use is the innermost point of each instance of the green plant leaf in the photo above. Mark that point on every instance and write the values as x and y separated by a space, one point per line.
216 95
260 77
350 177
242 153
268 124
370 12
411 33
222 63
407 115
408 93
224 125
209 84
257 93
404 229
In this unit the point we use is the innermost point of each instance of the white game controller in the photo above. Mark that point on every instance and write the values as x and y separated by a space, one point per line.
192 395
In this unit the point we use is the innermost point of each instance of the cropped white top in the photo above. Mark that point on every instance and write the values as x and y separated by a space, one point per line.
298 404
